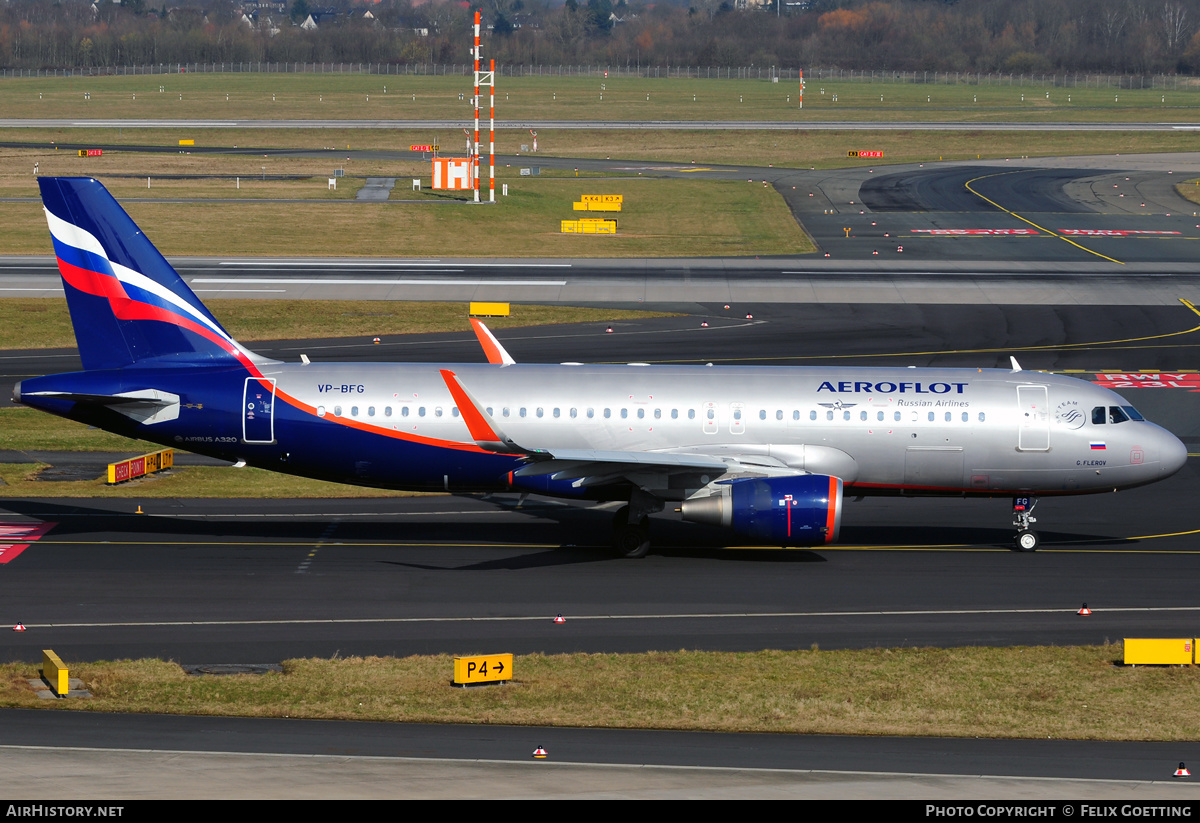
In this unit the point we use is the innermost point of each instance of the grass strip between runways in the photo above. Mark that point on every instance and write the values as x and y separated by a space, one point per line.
1079 692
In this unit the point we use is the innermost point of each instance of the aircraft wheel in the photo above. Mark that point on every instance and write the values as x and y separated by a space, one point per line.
1027 540
630 539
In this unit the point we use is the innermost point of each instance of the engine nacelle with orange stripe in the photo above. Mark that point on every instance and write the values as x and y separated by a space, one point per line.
784 511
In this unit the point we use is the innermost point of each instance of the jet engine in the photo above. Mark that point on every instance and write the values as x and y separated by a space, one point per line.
787 511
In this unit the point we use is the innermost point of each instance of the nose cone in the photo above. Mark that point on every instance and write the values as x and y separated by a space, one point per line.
1174 453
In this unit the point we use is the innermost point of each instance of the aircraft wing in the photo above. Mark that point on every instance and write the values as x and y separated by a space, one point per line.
596 467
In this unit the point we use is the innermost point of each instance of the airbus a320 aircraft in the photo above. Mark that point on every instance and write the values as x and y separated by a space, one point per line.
767 452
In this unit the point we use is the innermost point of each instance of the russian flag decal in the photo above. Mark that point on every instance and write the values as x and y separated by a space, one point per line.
1097 445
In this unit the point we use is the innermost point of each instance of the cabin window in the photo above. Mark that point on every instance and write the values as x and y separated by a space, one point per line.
737 414
320 411
574 413
1098 416
931 417
796 414
641 414
982 417
949 417
591 413
896 417
762 414
504 412
812 415
489 411
879 417
674 414
337 411
539 411
691 414
658 414
521 412
387 411
779 414
437 411
711 414
624 413
829 414
454 411
966 416
557 413
404 411
354 411
862 415
370 411
607 413
421 411
845 415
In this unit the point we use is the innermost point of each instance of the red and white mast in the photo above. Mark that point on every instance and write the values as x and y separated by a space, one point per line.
475 153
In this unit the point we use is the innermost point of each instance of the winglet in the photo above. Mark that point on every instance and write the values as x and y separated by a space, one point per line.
491 346
1016 367
484 431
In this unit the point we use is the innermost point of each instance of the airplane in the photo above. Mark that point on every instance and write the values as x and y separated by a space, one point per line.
769 453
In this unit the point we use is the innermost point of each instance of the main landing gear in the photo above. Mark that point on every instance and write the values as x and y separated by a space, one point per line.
631 525
1027 539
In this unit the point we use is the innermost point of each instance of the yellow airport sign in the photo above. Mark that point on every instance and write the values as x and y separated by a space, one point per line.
55 673
489 310
483 668
590 205
589 225
187 142
602 198
140 466
1158 651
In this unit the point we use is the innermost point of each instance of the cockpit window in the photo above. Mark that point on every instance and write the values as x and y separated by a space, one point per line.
1133 413
1099 416
1115 415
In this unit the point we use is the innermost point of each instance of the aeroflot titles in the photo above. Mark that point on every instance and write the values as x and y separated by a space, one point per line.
892 388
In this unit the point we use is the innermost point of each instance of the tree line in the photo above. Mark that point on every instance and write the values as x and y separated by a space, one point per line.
1020 36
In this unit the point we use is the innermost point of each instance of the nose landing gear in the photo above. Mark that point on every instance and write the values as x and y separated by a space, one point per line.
1027 539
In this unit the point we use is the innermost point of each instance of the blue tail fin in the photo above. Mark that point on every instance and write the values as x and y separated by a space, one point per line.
127 304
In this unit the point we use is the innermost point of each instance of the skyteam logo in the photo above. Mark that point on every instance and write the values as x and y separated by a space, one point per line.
1069 415
887 387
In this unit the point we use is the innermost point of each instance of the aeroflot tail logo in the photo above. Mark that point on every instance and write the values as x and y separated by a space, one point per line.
892 388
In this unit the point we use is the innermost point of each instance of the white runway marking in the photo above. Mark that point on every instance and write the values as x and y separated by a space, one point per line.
547 618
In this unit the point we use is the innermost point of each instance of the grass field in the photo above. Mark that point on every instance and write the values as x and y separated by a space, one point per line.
1024 692
661 218
19 480
363 97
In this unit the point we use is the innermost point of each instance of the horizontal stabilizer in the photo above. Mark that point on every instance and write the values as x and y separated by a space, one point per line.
143 405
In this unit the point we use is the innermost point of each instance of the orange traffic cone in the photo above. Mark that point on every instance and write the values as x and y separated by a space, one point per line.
20 627
608 330
540 753
1084 610
560 619
1182 771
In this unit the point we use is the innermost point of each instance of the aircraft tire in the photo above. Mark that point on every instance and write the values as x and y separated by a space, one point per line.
1027 540
630 539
